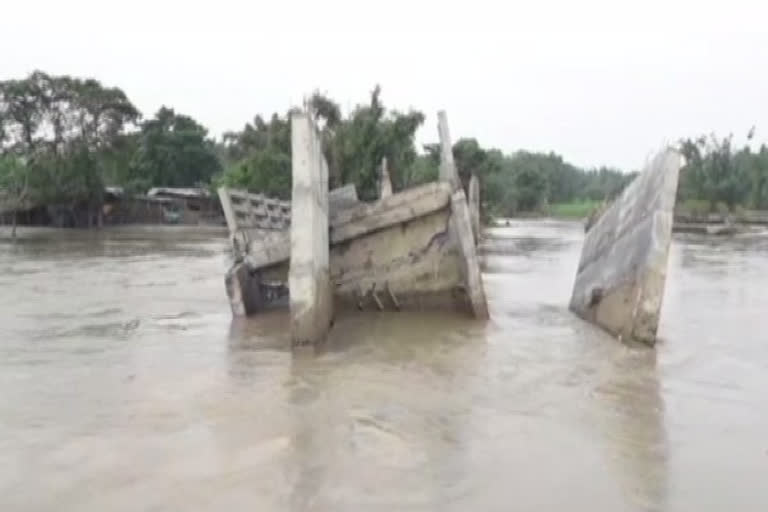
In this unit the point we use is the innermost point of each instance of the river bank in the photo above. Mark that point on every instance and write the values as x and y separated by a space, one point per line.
714 224
125 231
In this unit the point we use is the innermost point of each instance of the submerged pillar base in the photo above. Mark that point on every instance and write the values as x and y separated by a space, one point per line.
243 290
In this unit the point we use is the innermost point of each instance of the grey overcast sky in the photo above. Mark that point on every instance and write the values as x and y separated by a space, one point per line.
600 82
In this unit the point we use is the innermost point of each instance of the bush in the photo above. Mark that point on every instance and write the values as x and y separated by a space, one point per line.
694 207
722 208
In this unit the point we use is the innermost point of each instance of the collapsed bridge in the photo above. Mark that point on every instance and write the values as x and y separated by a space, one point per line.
416 249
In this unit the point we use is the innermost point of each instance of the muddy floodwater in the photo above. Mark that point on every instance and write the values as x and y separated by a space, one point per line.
125 386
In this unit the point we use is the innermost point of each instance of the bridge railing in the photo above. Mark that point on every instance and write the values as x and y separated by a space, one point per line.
244 210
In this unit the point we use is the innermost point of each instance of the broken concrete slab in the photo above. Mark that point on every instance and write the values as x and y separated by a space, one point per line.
474 206
621 275
413 261
363 218
309 278
399 247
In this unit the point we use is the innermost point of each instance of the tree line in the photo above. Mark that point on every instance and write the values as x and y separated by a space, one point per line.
64 139
719 177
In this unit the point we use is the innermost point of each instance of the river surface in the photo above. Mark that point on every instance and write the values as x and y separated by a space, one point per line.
125 385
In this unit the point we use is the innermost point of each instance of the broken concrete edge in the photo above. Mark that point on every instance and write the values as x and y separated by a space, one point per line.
406 205
461 231
382 299
309 282
621 275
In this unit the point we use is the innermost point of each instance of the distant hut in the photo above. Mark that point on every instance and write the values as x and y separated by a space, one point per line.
189 205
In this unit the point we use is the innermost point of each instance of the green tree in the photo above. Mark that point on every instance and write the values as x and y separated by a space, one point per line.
259 157
371 133
423 170
173 151
716 174
530 189
15 187
61 128
758 180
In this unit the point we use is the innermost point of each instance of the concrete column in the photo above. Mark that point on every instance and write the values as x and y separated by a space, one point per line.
461 232
621 275
474 206
385 183
311 301
447 165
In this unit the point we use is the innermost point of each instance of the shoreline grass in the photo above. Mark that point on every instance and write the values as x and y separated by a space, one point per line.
573 210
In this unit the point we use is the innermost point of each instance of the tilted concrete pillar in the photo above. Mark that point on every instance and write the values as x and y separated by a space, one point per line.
385 183
621 275
461 231
311 301
474 206
448 170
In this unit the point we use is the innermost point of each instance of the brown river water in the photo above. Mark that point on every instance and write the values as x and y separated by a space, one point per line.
125 385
